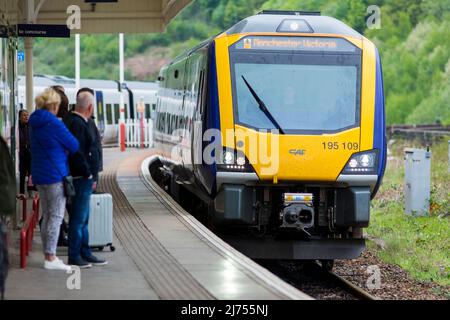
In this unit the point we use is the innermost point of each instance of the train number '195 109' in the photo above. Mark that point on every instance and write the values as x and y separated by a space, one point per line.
340 146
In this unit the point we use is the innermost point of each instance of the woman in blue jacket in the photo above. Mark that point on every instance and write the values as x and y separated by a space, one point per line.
50 143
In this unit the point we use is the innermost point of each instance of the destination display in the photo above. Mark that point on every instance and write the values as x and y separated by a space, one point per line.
294 44
43 30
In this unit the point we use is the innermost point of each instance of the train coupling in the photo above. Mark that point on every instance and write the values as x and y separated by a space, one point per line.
298 211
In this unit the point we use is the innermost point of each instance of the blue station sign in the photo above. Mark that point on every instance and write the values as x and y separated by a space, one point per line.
20 56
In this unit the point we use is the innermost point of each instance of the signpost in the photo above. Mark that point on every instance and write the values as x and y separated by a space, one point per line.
141 112
122 130
20 56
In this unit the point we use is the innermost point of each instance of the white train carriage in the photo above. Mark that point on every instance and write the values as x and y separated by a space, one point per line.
107 99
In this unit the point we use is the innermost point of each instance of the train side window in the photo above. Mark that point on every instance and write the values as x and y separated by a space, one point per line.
147 111
153 111
200 91
116 113
109 117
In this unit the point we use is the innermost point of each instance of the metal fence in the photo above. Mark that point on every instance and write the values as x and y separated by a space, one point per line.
139 133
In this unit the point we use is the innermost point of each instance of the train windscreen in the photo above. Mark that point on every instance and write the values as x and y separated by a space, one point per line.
304 91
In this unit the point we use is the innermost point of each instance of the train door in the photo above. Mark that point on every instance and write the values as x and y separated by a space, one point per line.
13 93
3 110
175 107
100 113
131 106
8 91
197 136
192 84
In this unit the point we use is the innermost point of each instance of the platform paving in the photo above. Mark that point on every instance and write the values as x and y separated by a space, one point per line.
119 280
159 254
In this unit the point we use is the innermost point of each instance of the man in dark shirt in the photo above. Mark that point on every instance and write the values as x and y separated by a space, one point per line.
7 206
97 147
84 169
24 149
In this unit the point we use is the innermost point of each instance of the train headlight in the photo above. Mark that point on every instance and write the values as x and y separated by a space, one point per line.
240 161
353 163
228 157
233 160
366 160
362 163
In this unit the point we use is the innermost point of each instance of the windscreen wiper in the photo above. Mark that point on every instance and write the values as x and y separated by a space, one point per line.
263 107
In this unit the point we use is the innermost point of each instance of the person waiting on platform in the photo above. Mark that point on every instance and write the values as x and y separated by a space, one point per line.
84 169
7 207
62 113
24 150
97 149
50 143
64 106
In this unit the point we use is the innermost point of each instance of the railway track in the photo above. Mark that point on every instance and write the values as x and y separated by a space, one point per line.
315 281
320 284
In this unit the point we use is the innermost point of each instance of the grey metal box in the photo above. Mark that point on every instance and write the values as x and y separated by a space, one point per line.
352 207
238 204
417 181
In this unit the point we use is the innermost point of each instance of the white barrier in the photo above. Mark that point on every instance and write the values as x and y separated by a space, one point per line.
139 133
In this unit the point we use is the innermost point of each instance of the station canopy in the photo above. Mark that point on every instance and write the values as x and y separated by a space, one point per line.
98 16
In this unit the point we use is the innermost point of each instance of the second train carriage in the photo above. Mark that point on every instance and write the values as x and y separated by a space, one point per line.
107 99
298 101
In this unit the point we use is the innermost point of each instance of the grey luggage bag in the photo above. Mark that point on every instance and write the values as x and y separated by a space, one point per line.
101 221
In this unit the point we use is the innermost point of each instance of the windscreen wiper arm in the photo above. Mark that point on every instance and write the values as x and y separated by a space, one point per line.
263 107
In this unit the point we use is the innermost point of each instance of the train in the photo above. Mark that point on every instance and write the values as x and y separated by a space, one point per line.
7 88
107 99
276 127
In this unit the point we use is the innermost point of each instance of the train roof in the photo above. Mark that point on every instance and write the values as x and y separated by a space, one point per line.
96 84
309 22
38 80
51 80
140 85
272 21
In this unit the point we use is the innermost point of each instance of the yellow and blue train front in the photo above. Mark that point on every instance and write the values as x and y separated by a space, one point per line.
299 109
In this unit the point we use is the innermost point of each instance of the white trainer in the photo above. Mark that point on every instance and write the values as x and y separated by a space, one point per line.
56 264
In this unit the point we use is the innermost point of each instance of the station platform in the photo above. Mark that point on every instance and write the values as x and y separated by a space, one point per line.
162 252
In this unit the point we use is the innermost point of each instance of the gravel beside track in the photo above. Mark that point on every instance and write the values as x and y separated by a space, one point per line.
396 283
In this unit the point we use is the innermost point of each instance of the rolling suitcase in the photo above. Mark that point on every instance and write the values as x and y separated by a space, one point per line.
101 221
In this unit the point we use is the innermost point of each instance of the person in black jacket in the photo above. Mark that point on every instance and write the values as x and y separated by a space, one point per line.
97 148
84 169
7 207
24 149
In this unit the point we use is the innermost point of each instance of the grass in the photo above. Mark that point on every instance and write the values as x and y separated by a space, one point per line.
420 245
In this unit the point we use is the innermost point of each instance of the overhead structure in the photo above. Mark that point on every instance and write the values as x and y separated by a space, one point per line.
94 17
99 16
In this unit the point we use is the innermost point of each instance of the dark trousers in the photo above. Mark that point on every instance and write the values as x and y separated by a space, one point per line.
79 219
24 169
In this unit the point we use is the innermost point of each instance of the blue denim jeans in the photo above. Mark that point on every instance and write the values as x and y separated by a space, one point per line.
79 219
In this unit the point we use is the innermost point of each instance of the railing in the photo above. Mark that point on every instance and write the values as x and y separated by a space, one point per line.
139 133
24 199
27 231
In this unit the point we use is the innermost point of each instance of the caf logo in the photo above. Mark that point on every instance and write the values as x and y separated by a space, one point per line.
247 43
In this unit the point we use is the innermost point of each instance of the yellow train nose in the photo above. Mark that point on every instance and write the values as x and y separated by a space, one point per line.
299 157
